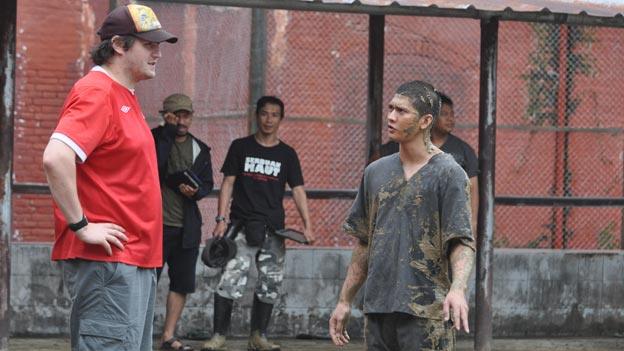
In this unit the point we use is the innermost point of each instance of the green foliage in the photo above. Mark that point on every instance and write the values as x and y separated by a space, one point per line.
606 237
537 242
543 77
550 78
501 242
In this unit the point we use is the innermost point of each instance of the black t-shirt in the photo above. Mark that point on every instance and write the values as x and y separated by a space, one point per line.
261 177
463 153
389 148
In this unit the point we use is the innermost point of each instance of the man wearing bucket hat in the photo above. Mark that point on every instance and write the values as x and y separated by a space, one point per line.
185 171
102 172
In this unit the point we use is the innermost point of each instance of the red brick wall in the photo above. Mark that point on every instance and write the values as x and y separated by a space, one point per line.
52 45
32 218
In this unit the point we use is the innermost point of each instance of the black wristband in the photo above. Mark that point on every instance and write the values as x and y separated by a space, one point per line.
79 225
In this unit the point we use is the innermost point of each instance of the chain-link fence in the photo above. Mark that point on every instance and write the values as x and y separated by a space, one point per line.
442 51
559 111
322 80
560 133
210 63
316 62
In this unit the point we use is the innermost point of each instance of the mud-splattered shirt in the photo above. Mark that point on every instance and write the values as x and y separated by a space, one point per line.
408 225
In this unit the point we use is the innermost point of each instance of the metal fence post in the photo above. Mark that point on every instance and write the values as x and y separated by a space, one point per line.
257 64
374 106
8 13
487 144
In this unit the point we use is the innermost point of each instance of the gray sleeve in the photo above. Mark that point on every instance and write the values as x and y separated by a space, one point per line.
357 223
455 213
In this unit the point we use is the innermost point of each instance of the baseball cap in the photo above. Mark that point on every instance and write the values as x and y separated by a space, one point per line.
177 102
136 20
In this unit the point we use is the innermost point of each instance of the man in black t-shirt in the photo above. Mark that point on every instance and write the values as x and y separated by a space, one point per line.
463 153
460 150
256 171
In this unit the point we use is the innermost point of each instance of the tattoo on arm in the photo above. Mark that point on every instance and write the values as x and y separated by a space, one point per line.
356 274
462 261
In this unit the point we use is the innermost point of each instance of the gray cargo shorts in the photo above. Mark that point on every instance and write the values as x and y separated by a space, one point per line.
269 262
112 305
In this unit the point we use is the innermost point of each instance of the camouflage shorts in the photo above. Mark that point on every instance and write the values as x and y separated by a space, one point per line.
269 263
404 332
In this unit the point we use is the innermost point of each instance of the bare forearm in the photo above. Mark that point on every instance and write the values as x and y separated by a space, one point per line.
301 201
356 274
462 261
60 169
225 195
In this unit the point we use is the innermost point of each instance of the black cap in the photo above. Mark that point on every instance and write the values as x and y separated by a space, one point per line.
136 20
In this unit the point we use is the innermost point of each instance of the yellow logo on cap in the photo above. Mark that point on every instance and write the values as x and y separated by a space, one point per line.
144 18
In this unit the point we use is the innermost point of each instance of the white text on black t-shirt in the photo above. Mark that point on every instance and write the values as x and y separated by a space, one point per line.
262 166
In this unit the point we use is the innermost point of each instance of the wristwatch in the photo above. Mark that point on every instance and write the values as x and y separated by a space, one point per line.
219 219
79 225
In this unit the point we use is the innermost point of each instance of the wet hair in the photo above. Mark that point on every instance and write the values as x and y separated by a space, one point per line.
445 99
426 100
103 52
423 96
265 100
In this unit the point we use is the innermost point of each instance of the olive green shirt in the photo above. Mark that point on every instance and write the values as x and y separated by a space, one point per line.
180 159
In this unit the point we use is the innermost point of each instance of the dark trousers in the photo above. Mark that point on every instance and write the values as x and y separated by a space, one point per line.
404 332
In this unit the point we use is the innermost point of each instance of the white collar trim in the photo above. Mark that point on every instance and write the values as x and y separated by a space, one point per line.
102 70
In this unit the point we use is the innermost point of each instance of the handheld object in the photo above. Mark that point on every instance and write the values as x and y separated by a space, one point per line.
191 178
218 251
292 234
187 177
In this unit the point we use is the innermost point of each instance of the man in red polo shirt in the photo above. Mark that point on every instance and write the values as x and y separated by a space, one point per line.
101 167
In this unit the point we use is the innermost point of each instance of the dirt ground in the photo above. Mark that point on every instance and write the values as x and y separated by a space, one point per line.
568 344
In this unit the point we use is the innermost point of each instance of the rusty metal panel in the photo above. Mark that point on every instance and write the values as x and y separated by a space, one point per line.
604 8
585 12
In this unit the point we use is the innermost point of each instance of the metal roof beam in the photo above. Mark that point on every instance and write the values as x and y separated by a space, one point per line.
430 11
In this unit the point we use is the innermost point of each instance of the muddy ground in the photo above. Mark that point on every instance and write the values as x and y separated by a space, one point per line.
568 344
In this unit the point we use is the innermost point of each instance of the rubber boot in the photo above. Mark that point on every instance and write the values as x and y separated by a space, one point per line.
222 317
260 317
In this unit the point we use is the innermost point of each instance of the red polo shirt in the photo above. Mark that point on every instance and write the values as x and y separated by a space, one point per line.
116 173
